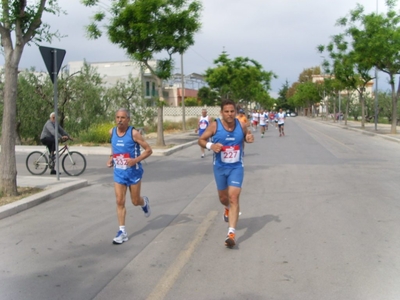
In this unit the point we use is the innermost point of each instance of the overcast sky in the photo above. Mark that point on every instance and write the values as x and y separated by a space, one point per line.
282 35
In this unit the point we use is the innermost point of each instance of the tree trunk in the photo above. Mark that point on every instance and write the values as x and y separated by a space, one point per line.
160 112
362 110
8 167
393 128
334 111
347 108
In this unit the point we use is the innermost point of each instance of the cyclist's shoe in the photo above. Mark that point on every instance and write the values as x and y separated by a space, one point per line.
226 215
146 208
230 240
120 237
54 172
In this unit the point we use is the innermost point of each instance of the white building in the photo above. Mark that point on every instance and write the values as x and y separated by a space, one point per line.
112 72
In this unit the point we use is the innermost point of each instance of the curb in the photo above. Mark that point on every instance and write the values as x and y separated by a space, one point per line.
389 138
158 152
49 193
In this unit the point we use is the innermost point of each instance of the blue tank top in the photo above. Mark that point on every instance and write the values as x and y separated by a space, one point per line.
231 154
203 124
124 147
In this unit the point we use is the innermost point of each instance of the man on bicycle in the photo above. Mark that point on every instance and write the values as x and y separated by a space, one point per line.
47 136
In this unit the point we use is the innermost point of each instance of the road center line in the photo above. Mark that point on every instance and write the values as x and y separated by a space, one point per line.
329 137
171 275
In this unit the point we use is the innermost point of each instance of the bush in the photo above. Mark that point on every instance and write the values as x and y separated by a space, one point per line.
98 133
192 123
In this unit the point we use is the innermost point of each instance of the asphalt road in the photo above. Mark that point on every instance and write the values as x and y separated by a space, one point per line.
320 220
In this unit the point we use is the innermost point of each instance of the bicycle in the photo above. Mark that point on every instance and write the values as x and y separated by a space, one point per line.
73 162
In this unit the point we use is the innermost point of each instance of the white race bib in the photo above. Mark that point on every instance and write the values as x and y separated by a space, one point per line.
120 161
230 154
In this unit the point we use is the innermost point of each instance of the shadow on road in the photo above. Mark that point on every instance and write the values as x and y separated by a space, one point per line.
253 225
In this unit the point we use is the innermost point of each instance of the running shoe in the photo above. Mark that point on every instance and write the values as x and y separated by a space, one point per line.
226 215
120 237
230 240
146 208
202 156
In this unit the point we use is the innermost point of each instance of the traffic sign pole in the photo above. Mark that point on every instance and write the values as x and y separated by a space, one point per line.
53 59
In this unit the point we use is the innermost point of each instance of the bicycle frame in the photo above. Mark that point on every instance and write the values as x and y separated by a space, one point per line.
61 151
37 162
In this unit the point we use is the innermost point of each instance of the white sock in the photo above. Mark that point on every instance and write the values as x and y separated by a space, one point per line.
122 228
231 230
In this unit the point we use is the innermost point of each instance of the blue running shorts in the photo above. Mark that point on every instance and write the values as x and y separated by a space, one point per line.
225 177
128 177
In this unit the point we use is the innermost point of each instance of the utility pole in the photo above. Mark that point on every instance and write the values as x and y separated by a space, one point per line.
376 86
183 95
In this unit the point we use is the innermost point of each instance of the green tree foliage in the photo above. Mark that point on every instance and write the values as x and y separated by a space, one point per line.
34 105
208 96
80 100
83 102
349 67
20 24
129 94
191 101
385 105
282 100
304 92
148 27
239 79
375 39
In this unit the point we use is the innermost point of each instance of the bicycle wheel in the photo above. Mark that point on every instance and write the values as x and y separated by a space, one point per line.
74 163
37 163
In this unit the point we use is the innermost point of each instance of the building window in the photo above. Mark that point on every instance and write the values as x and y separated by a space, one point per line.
147 88
153 89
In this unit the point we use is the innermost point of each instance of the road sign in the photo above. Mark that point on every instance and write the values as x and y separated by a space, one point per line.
53 59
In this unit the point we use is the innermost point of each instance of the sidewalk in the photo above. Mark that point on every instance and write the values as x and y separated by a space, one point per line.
383 130
174 142
54 188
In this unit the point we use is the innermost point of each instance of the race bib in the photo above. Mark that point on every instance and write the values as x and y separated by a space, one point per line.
203 125
120 161
230 154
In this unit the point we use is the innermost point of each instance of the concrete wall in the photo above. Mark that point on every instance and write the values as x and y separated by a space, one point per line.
174 114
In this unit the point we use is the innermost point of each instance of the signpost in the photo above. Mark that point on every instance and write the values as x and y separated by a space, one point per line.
53 59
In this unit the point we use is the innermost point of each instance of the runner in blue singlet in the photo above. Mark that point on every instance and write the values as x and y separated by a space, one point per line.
126 158
203 123
228 135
